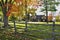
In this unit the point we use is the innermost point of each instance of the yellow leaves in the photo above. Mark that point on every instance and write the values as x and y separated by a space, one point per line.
32 10
14 8
19 10
33 2
29 2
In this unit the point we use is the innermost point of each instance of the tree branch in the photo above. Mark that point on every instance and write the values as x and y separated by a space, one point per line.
10 1
6 1
2 2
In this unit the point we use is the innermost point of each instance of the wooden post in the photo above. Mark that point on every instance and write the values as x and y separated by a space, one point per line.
53 29
26 16
46 12
15 27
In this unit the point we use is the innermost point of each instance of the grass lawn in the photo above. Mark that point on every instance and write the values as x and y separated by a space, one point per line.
34 32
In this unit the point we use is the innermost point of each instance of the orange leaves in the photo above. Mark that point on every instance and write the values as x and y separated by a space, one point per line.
50 17
13 8
9 5
17 7
8 13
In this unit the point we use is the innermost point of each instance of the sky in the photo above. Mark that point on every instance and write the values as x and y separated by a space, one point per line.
38 11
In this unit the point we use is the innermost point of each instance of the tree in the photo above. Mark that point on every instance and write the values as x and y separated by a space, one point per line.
8 7
5 5
49 5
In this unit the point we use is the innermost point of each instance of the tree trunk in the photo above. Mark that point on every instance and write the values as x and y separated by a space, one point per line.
5 18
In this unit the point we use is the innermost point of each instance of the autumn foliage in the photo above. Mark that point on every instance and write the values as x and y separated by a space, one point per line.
50 17
17 8
13 8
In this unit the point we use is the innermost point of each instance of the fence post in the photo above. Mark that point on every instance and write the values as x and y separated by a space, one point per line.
15 27
53 29
26 20
46 11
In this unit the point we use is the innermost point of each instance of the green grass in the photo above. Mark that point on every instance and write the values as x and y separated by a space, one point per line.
34 32
45 31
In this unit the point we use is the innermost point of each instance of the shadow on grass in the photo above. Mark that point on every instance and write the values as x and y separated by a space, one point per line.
34 32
